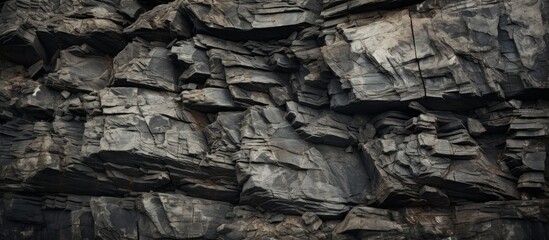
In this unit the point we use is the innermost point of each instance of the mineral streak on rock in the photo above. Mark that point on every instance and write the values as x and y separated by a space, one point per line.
285 119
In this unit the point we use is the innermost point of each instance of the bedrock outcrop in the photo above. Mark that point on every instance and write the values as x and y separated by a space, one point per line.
302 119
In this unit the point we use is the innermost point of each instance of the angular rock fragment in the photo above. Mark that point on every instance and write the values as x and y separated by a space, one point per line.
433 149
522 219
144 65
251 224
453 55
114 218
176 216
36 29
20 95
145 140
19 41
371 73
98 24
45 157
81 68
276 167
208 99
158 216
150 216
252 20
310 119
524 150
247 98
163 23
196 60
52 217
366 222
316 73
324 127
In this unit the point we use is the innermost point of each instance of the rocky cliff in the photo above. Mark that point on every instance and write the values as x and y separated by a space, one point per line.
284 119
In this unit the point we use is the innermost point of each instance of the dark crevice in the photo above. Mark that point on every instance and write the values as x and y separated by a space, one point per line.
415 53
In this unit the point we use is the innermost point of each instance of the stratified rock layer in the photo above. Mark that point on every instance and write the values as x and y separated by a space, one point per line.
303 119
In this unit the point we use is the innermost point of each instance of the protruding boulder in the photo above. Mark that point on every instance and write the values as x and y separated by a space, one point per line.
281 172
145 65
81 68
252 20
164 23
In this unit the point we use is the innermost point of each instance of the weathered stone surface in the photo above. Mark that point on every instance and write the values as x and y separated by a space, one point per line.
209 99
159 215
472 221
145 140
441 51
143 65
81 68
32 31
163 23
179 217
252 20
521 220
433 149
147 216
270 145
21 95
302 119
250 224
324 127
524 146
196 60
45 157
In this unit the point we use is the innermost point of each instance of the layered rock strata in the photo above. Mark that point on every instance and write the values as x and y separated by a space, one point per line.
309 119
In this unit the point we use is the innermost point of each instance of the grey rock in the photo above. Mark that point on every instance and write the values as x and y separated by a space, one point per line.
312 220
436 51
209 99
372 73
179 217
308 95
481 220
434 197
471 221
22 95
81 68
144 65
57 217
138 142
164 22
196 60
315 70
309 119
43 156
114 218
524 151
250 224
160 215
157 216
433 149
97 24
247 98
37 28
252 20
324 127
371 223
269 144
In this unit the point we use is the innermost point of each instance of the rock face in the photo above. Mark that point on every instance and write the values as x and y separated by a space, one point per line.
308 119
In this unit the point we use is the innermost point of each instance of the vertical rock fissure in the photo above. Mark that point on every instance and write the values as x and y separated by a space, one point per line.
415 53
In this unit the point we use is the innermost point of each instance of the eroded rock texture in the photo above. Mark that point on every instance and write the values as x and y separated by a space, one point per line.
306 119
